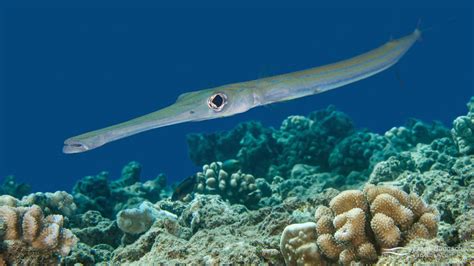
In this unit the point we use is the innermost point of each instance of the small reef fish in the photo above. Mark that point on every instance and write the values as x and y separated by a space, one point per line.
184 188
231 99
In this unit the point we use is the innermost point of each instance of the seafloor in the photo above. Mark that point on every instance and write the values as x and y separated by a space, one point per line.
316 191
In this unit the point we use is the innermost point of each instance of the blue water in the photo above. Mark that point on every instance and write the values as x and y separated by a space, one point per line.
66 71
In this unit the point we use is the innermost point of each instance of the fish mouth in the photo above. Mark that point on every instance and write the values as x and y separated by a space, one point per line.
74 146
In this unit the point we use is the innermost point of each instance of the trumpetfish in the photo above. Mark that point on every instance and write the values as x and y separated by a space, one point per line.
231 99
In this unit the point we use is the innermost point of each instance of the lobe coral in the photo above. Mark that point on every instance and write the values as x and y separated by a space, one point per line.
358 225
30 238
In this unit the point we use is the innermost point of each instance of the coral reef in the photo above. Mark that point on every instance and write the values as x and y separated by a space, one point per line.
31 238
59 202
247 142
357 225
315 191
97 193
428 252
12 188
463 131
139 220
231 184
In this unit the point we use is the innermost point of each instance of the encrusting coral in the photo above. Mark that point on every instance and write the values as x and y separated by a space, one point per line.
32 238
139 220
357 225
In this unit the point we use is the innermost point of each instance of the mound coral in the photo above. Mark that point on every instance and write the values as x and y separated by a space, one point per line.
139 220
59 202
32 238
235 186
357 225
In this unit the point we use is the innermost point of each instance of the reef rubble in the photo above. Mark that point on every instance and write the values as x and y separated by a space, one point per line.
315 191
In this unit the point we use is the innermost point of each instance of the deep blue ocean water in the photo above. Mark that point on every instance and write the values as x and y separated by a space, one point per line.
66 71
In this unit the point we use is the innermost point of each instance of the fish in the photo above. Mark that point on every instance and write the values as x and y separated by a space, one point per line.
184 188
231 99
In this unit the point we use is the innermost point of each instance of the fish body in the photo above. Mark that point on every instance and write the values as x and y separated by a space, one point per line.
239 97
184 188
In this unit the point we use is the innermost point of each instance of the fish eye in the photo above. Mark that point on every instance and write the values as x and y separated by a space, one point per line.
217 101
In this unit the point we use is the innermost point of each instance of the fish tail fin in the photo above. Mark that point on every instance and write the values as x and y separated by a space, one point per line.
419 29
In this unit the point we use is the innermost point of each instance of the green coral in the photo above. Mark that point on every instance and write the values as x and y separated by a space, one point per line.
463 130
97 193
12 188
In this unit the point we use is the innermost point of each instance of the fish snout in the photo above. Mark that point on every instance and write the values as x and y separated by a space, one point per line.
74 146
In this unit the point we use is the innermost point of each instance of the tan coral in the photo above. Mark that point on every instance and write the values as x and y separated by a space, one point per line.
430 221
367 252
298 245
386 232
390 206
329 246
324 225
347 256
42 237
348 200
372 191
350 227
358 225
10 218
7 200
322 211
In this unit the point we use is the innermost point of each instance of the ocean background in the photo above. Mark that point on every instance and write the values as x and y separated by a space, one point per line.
65 71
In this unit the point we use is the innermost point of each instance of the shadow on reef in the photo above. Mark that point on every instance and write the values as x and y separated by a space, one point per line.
316 191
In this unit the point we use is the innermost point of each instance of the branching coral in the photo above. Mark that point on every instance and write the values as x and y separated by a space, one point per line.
31 238
236 187
358 224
